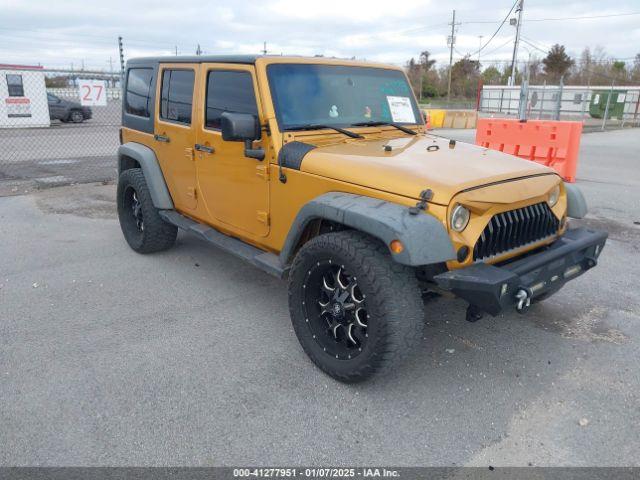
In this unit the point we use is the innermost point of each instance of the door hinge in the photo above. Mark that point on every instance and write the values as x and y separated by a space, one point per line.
263 217
262 171
192 192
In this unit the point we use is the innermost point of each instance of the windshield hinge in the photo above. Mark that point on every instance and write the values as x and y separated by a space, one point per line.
425 196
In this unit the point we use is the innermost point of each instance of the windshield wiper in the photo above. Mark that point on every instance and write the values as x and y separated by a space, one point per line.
379 124
314 126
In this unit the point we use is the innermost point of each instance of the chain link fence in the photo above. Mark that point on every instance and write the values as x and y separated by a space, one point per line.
47 137
598 107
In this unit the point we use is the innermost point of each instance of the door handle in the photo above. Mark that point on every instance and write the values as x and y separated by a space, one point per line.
203 148
161 138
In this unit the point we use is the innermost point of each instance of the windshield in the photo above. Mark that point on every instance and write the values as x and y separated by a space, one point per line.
340 95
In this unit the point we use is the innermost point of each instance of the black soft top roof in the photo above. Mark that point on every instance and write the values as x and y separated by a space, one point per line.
244 59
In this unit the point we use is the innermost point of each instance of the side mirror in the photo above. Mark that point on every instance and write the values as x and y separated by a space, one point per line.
242 127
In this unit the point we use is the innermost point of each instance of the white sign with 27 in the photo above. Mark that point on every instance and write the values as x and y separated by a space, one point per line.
92 93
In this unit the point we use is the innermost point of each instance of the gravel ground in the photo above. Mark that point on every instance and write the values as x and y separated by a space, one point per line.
188 357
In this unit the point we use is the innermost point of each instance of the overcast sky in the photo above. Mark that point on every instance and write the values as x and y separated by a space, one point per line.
56 33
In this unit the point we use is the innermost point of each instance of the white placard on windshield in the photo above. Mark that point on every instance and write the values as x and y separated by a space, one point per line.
92 93
401 109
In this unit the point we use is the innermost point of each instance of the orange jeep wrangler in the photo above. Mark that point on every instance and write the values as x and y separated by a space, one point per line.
321 171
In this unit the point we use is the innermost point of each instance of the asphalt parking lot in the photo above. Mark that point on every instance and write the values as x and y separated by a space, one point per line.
188 357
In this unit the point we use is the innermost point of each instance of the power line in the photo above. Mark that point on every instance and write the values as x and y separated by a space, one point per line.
558 18
501 46
497 30
533 46
582 18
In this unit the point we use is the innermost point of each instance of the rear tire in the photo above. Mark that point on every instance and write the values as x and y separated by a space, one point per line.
379 316
143 228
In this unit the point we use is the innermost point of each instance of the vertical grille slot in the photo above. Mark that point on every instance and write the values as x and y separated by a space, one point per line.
514 229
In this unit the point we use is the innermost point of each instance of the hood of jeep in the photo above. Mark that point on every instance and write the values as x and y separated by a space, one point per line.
414 164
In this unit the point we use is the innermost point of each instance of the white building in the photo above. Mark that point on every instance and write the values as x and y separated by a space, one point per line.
23 97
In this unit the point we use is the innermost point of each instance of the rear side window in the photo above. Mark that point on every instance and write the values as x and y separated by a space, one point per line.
229 91
177 95
14 82
138 92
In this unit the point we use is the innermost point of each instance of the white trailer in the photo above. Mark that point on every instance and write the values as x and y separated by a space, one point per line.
23 97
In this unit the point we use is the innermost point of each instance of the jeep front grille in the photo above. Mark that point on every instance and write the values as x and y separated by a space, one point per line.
515 228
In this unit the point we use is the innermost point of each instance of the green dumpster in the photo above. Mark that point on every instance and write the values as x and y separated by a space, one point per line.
598 103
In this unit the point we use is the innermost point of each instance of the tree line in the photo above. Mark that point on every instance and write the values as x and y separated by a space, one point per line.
593 67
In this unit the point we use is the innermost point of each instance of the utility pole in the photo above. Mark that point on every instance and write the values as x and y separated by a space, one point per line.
264 48
452 41
517 40
176 50
198 50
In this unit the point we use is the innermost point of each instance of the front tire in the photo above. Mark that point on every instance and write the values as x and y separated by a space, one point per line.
143 228
76 116
355 311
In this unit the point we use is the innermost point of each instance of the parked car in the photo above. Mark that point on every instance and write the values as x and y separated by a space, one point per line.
66 110
320 170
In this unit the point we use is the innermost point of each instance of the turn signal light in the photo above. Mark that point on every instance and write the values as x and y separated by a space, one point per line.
396 246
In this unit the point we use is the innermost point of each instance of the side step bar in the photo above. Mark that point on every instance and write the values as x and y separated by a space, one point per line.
265 261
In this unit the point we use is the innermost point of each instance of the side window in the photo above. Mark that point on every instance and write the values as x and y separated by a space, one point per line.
177 95
138 91
14 82
228 91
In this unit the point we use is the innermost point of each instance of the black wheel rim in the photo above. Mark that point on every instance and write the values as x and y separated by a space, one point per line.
77 117
134 207
335 310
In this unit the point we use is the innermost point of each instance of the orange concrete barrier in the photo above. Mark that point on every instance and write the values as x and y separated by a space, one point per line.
552 143
436 117
459 119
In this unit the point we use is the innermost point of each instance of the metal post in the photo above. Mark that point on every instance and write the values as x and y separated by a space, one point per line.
121 49
556 115
544 90
524 97
453 26
606 108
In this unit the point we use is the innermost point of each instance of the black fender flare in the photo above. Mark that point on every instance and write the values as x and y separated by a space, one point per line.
576 203
423 236
151 170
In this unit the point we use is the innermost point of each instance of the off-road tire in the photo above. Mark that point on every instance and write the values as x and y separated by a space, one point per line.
156 234
394 304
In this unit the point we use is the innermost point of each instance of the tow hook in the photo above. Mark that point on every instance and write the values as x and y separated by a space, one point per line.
523 297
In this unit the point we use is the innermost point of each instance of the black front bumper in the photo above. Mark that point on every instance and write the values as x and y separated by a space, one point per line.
493 288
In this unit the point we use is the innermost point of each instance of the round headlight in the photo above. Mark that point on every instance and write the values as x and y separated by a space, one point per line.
459 218
554 194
